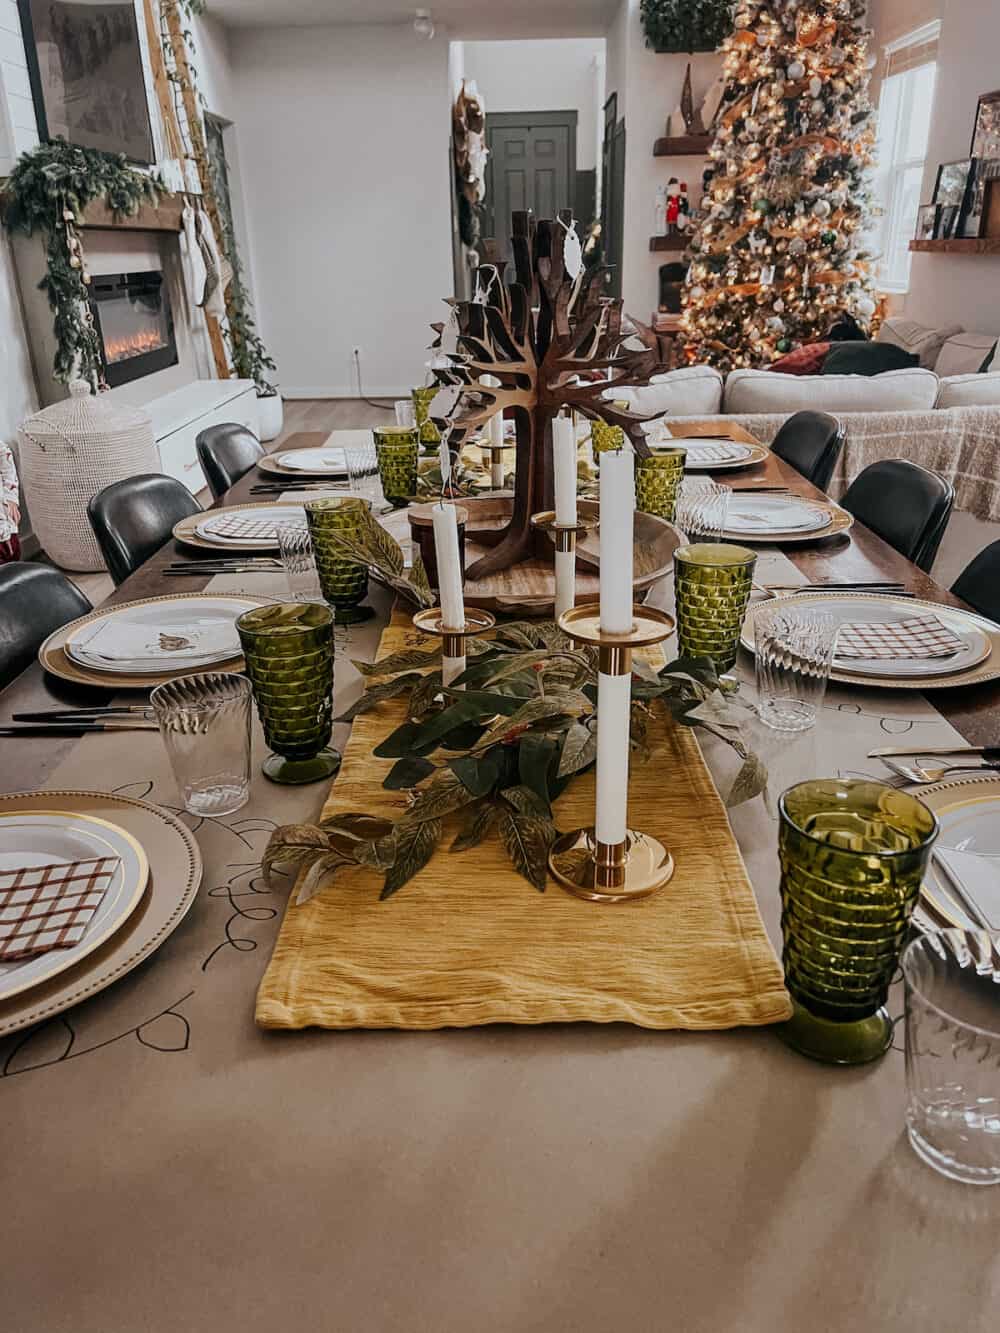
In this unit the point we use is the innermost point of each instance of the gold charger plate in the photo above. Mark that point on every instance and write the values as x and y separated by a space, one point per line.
759 453
54 659
840 521
987 669
184 531
175 871
119 901
943 797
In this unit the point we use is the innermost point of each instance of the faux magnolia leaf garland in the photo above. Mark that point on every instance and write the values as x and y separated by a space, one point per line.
521 727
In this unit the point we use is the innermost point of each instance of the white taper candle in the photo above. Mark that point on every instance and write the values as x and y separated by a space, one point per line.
496 471
449 566
617 517
564 469
614 696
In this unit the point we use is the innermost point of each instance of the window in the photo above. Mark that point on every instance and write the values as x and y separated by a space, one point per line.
904 122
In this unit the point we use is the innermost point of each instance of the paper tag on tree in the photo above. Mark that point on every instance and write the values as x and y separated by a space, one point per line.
443 402
572 252
444 455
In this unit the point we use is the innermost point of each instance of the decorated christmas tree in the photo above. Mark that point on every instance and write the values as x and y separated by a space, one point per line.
779 250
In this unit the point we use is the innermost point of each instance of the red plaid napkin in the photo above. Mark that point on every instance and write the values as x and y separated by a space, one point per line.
915 637
50 907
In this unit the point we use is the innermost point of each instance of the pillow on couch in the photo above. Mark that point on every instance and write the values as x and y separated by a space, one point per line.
918 339
867 359
756 391
690 392
969 391
964 354
805 360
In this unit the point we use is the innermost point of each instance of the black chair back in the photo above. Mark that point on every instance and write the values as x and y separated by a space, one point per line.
811 442
906 505
226 453
979 583
35 600
133 518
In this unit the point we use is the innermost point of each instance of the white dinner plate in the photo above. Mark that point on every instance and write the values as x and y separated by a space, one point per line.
208 622
968 810
327 462
761 514
976 633
704 454
53 836
266 518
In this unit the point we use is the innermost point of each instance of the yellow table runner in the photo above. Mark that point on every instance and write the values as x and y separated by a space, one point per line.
467 941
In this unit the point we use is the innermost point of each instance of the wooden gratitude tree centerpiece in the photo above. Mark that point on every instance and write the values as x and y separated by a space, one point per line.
525 345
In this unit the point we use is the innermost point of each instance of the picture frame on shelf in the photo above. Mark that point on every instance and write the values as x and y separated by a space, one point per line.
947 217
927 221
952 184
986 131
970 218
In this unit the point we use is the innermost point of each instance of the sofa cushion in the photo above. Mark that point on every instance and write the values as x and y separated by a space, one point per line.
964 354
923 342
691 391
805 360
969 391
867 359
750 391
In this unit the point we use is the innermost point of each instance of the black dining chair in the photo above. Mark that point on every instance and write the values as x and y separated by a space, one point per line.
979 582
133 518
906 505
226 453
811 442
34 601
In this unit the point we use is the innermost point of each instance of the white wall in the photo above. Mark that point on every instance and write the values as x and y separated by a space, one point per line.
649 89
18 131
344 141
543 76
963 289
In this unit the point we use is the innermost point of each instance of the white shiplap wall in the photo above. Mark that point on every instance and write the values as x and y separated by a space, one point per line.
18 130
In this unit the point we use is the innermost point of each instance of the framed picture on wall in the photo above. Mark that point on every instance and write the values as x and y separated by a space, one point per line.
952 182
986 134
86 75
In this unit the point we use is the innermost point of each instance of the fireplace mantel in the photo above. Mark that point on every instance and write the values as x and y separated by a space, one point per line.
166 216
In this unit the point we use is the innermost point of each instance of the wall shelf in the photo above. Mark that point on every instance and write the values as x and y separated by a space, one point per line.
683 145
676 242
958 245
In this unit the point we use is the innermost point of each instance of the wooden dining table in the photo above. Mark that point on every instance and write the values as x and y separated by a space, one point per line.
527 1179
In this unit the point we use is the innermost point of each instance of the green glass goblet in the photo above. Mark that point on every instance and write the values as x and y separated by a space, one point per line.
430 436
397 449
657 479
344 580
712 583
604 436
853 853
288 648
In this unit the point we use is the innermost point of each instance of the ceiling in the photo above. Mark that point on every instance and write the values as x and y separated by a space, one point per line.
469 19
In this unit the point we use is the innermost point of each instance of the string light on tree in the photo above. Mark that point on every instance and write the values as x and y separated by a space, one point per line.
787 193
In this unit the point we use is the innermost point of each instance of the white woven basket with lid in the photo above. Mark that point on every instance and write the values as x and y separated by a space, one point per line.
70 451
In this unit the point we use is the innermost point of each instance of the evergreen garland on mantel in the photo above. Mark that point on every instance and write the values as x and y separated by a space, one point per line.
48 191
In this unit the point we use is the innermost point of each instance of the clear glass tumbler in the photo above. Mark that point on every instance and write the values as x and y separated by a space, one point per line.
205 724
953 1053
702 509
405 413
362 471
794 651
295 546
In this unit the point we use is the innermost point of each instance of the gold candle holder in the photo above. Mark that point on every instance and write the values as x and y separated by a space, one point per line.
453 640
496 452
564 537
638 864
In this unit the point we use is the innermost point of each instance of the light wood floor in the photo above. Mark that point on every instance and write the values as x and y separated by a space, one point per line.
304 414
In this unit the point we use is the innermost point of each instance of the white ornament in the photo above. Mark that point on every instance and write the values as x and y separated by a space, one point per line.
865 306
821 209
796 70
815 86
697 292
817 106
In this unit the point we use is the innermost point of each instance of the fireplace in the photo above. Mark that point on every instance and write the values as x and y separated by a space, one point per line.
134 323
